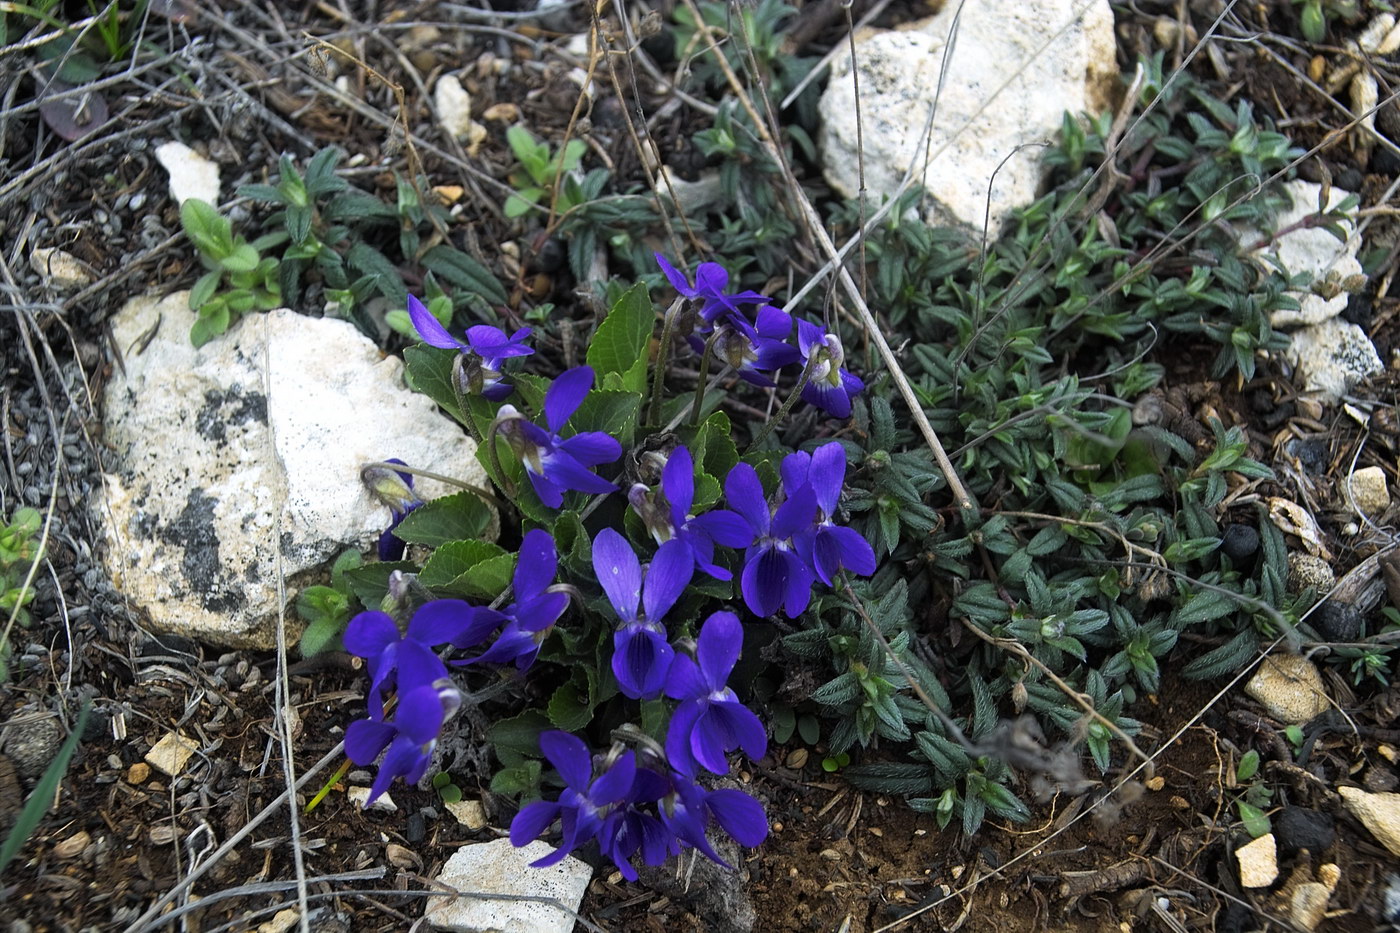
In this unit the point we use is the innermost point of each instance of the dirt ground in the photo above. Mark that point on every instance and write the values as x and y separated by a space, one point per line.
1155 854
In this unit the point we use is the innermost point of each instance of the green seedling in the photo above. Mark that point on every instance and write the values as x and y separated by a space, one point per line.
540 168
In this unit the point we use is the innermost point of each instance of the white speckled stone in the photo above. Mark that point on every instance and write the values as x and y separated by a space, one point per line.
247 446
1367 490
1332 357
1015 43
497 867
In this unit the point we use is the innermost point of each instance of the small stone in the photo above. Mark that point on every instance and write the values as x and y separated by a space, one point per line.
504 112
1239 543
1366 488
1289 688
138 773
1298 828
1307 570
454 111
1332 357
281 922
497 867
450 194
797 758
191 174
1330 875
32 744
1156 783
60 269
1339 622
1379 813
73 846
359 796
1308 905
1258 862
170 754
470 813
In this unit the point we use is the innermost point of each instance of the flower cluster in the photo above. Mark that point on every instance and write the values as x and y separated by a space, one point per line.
654 806
648 800
755 347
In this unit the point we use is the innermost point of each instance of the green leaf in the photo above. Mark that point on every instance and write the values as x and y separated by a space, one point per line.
204 289
429 370
371 262
1248 766
321 635
453 560
452 518
457 267
890 777
1256 821
487 579
569 708
241 258
207 228
41 798
518 737
370 583
612 412
621 341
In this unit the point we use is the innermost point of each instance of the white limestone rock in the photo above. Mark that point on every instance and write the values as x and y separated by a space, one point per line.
1333 356
497 867
1009 82
1329 263
1380 813
454 110
1367 491
1258 862
191 174
249 446
1289 688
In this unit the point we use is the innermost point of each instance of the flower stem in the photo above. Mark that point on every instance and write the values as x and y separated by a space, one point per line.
502 480
472 488
668 324
700 383
792 398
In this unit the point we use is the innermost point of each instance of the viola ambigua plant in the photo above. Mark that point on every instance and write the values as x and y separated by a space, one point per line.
633 638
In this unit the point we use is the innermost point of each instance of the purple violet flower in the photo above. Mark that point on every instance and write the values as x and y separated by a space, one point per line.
409 658
641 653
556 463
826 547
538 605
585 802
829 386
666 514
775 575
711 280
487 346
710 721
394 488
754 349
629 829
410 738
687 811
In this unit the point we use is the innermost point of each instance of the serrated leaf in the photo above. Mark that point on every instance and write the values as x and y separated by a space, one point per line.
452 518
621 341
518 737
486 579
569 708
451 561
